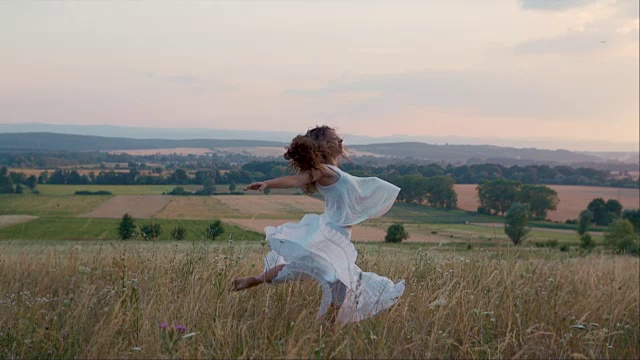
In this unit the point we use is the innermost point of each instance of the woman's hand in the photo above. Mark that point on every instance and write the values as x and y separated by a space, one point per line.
260 186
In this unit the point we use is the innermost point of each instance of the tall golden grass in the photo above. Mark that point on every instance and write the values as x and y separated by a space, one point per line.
93 300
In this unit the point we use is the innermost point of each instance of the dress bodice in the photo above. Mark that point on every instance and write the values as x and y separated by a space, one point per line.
352 200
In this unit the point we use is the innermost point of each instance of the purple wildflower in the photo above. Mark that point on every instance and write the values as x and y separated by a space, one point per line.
180 328
164 326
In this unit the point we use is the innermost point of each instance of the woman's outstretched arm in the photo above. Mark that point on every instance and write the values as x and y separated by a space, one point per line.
291 181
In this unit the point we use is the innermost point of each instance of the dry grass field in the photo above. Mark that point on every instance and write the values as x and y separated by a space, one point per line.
110 300
7 220
273 204
138 206
573 199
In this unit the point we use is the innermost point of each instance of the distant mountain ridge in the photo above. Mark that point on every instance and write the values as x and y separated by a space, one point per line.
452 154
70 142
589 146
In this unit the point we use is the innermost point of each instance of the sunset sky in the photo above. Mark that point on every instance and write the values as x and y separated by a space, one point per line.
563 70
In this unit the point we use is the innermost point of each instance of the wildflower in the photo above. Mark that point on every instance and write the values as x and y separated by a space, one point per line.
164 326
180 328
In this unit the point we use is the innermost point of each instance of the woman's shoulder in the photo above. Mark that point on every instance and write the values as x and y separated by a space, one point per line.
328 175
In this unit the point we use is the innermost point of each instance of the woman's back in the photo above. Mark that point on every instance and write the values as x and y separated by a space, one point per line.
352 200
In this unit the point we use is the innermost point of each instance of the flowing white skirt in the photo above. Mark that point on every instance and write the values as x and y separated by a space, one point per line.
323 251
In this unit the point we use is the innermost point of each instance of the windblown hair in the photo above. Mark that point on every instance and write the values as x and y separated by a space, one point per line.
308 152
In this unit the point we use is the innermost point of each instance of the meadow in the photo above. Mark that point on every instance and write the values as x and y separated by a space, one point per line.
70 289
106 299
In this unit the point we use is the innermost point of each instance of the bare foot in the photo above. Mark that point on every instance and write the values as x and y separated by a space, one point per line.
241 284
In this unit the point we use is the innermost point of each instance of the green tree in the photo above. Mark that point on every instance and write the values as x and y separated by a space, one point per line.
151 231
127 227
441 193
396 233
497 196
214 230
540 197
584 221
614 209
633 215
621 237
516 222
599 211
209 186
31 182
6 184
179 177
232 186
267 191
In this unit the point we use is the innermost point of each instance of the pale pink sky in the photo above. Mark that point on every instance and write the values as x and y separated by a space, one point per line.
510 69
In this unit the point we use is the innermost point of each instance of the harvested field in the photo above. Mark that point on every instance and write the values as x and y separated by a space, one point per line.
359 232
6 220
573 199
168 151
138 206
273 204
197 208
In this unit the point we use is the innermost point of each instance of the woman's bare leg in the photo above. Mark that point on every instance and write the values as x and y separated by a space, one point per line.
251 281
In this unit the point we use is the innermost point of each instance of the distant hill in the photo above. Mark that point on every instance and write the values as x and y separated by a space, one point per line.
68 142
184 133
477 153
451 154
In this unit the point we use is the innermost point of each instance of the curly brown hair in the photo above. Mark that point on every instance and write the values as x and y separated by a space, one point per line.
308 152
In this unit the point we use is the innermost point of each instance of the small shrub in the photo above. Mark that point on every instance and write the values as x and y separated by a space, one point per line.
552 243
564 247
19 189
469 247
150 231
628 245
180 191
267 191
214 230
127 228
179 232
621 237
481 210
396 233
586 242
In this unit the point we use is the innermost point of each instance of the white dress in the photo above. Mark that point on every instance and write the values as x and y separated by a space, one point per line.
319 247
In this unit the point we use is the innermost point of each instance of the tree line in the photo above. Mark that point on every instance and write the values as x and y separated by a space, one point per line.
248 168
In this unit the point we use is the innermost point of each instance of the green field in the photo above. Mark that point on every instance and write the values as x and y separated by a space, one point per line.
73 228
414 213
48 205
